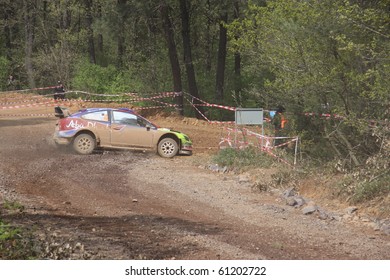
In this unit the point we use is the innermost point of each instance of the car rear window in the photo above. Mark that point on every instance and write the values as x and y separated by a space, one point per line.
96 116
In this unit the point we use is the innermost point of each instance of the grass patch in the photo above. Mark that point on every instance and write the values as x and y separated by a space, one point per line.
360 190
16 243
243 159
369 190
13 205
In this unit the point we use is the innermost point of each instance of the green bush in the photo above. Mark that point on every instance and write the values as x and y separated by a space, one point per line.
99 79
243 159
369 190
371 180
13 205
16 244
3 72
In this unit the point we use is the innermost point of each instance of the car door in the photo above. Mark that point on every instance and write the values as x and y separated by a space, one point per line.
127 130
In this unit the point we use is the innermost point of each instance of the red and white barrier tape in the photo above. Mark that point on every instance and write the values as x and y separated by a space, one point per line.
217 106
154 107
264 143
192 104
40 104
29 89
26 115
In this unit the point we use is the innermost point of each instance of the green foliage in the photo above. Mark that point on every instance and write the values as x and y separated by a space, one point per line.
16 244
13 205
4 64
325 57
98 79
365 191
370 181
241 159
7 232
360 188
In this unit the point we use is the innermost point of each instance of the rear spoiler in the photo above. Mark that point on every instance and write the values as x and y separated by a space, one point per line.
61 112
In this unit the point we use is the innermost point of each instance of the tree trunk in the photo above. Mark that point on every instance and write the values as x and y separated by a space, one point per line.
209 40
220 79
7 34
45 11
192 86
89 21
121 8
172 52
29 41
237 62
100 36
67 16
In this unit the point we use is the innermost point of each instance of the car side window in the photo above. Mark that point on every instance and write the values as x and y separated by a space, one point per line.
96 116
124 118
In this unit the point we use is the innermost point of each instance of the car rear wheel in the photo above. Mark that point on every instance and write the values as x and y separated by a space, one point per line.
84 144
167 148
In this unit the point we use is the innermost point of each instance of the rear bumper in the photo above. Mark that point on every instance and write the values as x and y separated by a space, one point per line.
61 140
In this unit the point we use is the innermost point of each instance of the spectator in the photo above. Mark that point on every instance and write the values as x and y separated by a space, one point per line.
59 92
279 122
11 83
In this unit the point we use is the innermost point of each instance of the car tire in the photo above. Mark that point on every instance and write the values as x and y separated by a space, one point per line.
84 144
167 148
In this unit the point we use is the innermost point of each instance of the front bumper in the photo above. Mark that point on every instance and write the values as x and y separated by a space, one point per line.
186 150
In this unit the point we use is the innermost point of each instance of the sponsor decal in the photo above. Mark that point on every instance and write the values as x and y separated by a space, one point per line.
75 124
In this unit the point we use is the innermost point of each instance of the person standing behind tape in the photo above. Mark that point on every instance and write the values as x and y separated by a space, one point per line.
11 83
279 123
59 92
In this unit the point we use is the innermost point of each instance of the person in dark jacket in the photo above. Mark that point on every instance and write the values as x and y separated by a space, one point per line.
279 123
59 92
11 83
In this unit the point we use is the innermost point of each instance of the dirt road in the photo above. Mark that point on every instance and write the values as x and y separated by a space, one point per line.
125 205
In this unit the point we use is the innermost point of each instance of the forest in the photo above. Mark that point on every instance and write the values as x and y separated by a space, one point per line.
316 58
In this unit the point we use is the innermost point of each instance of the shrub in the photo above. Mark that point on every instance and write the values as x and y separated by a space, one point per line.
371 189
99 79
16 244
3 72
371 180
243 159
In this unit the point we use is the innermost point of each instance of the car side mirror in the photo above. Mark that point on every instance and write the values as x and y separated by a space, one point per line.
148 127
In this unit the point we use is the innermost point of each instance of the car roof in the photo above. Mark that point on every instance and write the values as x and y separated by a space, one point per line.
91 110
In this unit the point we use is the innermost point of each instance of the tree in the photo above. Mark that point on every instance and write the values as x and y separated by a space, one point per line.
237 60
122 13
220 79
29 23
172 52
90 33
325 57
192 86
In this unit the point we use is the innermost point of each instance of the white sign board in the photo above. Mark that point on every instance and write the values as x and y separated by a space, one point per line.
249 116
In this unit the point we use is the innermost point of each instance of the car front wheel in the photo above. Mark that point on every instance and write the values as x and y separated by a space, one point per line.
84 144
167 148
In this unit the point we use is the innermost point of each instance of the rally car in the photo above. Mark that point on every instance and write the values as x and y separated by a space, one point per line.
123 128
